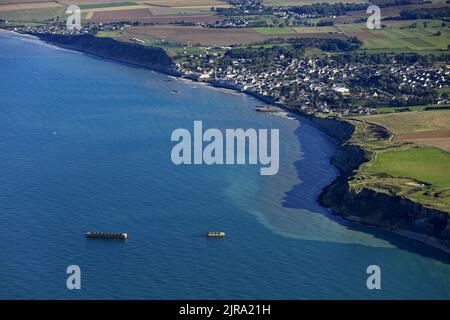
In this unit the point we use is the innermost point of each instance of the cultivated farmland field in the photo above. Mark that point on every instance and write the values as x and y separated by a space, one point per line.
211 37
414 35
415 164
351 16
304 2
304 30
187 3
105 5
274 30
152 11
438 138
426 128
411 122
32 15
29 6
119 15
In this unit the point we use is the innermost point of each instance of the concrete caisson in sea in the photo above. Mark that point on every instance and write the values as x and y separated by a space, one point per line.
107 235
216 234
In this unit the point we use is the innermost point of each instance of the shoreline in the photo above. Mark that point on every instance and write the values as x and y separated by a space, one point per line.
312 120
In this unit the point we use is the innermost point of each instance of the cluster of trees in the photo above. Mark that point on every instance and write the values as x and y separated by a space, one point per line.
338 9
425 13
328 45
385 58
319 9
325 23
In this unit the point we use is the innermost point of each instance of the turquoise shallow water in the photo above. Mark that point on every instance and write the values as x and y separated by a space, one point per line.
85 145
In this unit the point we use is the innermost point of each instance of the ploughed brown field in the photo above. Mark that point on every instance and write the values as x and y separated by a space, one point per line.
438 138
213 37
84 2
144 15
120 15
21 1
185 3
29 6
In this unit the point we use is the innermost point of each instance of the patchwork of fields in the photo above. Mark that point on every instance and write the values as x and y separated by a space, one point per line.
212 37
156 11
303 2
416 162
32 14
411 35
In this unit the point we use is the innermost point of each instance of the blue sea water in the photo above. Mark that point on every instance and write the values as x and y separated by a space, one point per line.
85 145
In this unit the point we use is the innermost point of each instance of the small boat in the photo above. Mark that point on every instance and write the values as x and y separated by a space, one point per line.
107 235
216 234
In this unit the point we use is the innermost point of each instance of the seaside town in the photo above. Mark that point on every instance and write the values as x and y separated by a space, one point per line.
323 85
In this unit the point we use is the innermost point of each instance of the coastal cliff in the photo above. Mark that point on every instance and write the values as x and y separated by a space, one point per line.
150 57
367 206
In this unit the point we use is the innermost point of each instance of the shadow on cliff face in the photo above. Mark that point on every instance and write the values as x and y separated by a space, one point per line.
315 172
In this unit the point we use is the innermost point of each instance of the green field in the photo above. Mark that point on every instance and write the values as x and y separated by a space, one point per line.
411 108
413 39
429 165
274 30
417 169
315 29
32 15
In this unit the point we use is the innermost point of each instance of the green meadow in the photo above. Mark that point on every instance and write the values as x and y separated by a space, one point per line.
32 15
429 165
411 108
274 30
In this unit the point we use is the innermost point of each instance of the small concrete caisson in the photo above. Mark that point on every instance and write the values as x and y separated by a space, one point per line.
216 234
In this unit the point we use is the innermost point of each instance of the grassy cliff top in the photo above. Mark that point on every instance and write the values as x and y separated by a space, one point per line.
414 163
